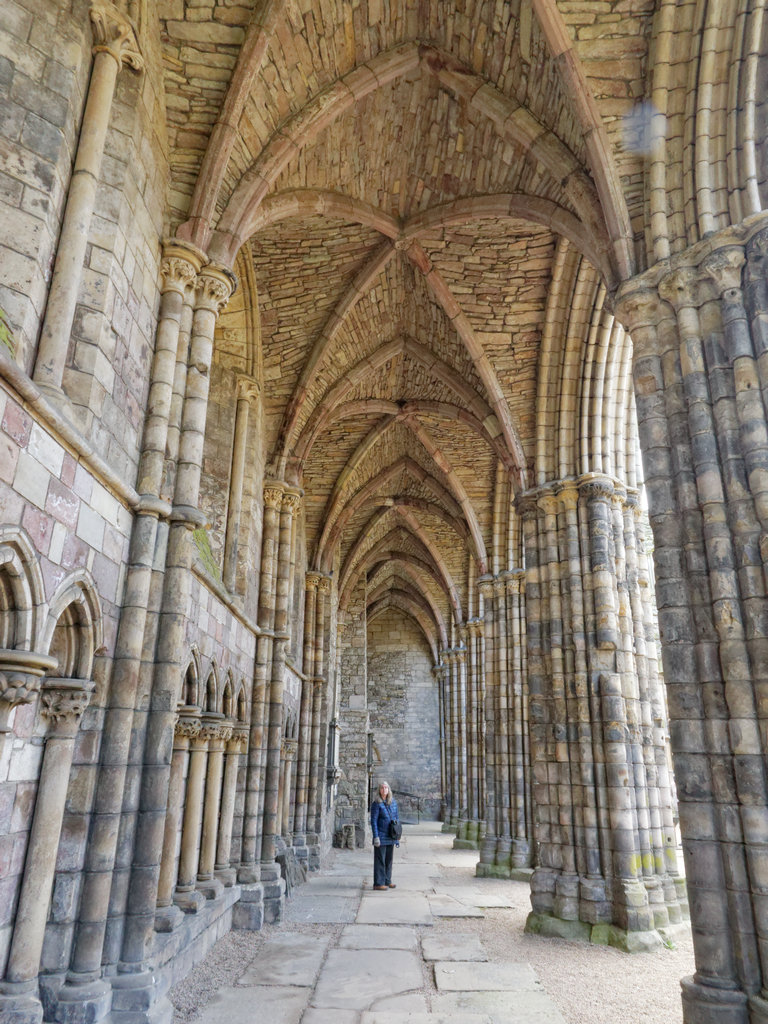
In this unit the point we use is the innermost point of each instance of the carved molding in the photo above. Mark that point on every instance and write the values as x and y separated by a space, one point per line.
21 673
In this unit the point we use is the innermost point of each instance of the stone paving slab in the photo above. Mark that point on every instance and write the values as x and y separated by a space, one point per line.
446 906
453 946
290 958
389 908
276 1003
476 897
413 876
525 1007
356 979
376 1017
322 909
333 887
313 1015
378 936
457 976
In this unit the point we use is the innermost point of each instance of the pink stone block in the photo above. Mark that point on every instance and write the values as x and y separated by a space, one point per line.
9 456
62 504
68 469
39 526
17 424
75 553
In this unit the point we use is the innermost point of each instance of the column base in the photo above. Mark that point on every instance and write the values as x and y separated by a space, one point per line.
758 1010
19 1003
599 935
211 888
704 1004
227 876
168 918
140 999
74 1003
487 851
249 874
190 901
313 851
483 870
274 893
248 912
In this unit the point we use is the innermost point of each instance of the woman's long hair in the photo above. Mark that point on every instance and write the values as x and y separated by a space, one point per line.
388 798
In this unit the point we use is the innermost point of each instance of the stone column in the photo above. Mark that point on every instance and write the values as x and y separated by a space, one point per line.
136 983
449 693
600 872
438 671
317 752
63 702
247 390
462 736
207 883
488 845
188 726
275 894
236 746
186 895
519 759
503 796
288 756
311 584
115 46
118 758
250 866
701 380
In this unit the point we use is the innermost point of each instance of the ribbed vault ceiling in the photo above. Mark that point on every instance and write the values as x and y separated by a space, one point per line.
404 174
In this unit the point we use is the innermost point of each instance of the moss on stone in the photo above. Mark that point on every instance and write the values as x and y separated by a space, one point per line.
200 537
6 334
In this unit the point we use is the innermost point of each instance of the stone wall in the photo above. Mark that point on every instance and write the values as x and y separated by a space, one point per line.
403 703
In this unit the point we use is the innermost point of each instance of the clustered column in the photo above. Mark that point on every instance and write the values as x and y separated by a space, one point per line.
506 845
604 869
701 380
319 717
63 702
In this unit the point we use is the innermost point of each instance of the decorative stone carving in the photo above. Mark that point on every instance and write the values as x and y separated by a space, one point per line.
63 702
724 267
680 288
291 502
178 273
114 34
213 288
21 673
273 495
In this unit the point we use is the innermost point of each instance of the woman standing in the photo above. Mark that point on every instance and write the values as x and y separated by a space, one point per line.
383 811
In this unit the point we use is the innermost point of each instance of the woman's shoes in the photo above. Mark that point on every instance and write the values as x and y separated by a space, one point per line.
391 886
381 888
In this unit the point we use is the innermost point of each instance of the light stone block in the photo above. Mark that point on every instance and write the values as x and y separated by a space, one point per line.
359 979
31 479
459 976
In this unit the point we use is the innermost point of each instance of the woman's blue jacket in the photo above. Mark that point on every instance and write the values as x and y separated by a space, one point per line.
381 815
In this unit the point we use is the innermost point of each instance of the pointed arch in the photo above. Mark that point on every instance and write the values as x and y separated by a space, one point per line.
22 592
73 631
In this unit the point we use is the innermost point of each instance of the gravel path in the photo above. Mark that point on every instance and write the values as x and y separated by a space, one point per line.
589 984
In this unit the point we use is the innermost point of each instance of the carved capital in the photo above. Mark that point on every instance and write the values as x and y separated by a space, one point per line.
273 495
679 288
248 388
639 309
485 585
527 506
596 488
325 584
213 288
757 256
63 702
568 494
312 581
238 741
178 274
187 727
21 673
114 34
724 267
291 502
288 749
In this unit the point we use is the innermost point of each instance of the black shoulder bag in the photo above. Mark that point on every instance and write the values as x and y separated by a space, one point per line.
395 828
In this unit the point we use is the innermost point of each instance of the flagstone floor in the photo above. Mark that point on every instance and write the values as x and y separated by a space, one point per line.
438 949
